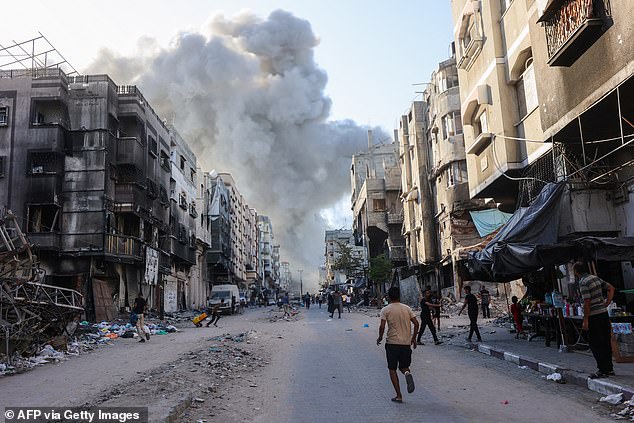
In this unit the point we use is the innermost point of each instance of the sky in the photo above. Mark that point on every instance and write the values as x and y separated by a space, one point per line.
372 51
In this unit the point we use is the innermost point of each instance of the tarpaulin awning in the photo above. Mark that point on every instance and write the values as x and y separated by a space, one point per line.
488 221
529 241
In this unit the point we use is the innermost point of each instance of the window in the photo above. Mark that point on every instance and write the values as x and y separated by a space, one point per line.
526 90
451 125
43 163
165 160
182 163
456 174
480 123
3 160
153 145
378 204
192 174
4 116
43 218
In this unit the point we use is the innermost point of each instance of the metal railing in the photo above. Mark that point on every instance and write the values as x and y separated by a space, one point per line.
123 245
564 21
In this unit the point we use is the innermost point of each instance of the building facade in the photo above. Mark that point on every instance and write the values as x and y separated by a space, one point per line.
376 206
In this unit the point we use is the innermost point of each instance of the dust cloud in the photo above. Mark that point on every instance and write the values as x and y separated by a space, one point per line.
248 96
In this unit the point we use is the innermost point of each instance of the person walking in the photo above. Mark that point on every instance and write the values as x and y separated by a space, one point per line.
426 319
485 299
337 302
215 313
516 312
399 319
595 318
320 299
348 302
307 301
471 302
140 305
286 305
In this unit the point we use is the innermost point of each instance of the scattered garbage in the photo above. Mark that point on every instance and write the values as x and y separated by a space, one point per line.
613 399
555 377
366 325
523 367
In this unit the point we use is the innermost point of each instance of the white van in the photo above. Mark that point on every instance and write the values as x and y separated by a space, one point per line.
218 292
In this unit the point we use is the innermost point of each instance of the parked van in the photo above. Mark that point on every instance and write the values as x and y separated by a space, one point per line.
219 292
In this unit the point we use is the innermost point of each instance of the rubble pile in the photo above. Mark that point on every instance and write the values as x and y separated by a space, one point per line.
86 337
624 411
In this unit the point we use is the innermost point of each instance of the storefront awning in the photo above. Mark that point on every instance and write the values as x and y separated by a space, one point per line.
529 242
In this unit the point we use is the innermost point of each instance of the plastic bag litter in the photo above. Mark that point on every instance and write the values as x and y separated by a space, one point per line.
556 377
49 352
612 399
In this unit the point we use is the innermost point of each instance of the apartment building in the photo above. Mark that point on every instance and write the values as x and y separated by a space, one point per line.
237 219
218 256
498 95
376 206
269 258
95 159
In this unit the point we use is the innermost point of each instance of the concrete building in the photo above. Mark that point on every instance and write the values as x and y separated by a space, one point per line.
268 271
237 218
252 248
499 99
376 206
184 280
219 253
95 160
286 279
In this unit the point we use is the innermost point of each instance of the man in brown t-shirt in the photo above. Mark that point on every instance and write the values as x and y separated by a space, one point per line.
399 318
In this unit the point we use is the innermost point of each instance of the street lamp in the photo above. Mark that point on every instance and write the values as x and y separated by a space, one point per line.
301 286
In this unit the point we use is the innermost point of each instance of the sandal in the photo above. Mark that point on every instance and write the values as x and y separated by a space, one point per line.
399 400
598 375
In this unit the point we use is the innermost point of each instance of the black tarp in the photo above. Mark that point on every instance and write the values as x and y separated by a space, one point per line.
529 241
513 250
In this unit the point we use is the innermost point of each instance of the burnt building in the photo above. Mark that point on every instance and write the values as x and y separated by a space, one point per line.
86 166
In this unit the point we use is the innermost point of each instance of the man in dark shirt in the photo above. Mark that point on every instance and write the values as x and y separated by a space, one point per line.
139 308
471 302
485 298
426 306
596 319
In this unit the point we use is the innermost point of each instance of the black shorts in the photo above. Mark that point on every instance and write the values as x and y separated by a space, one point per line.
398 356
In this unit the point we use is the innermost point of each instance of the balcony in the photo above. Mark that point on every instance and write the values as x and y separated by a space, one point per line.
481 141
394 218
182 252
192 210
165 263
123 247
130 150
152 189
397 253
45 240
572 26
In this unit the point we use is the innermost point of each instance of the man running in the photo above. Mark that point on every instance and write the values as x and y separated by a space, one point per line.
399 318
215 313
426 320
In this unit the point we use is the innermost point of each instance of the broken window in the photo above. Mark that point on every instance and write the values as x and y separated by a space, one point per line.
152 145
165 160
182 163
4 116
43 163
49 112
43 218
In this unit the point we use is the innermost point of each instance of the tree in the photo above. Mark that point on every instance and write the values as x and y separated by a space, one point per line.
348 262
380 269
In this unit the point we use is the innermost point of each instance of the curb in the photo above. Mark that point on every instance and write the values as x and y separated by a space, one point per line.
178 409
601 386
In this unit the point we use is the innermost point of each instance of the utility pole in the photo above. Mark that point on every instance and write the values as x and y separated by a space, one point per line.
301 286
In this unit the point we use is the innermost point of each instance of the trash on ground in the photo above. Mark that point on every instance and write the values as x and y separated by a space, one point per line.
612 399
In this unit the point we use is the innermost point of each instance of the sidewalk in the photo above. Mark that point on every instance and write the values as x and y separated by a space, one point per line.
573 366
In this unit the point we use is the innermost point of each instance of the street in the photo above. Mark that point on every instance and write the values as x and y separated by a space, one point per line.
312 369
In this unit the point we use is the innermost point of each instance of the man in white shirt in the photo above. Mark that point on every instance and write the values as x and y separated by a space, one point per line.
399 318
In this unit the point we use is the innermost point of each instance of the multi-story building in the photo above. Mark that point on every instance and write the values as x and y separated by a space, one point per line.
334 241
252 245
266 239
286 280
237 218
499 100
376 206
184 281
219 253
95 204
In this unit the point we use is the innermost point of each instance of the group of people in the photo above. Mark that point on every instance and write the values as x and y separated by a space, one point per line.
336 302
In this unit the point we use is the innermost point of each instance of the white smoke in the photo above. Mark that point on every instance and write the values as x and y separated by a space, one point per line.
249 98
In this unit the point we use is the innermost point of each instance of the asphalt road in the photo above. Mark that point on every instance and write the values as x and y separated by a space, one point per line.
333 370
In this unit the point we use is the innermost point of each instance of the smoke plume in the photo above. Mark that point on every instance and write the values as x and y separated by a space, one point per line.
249 98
